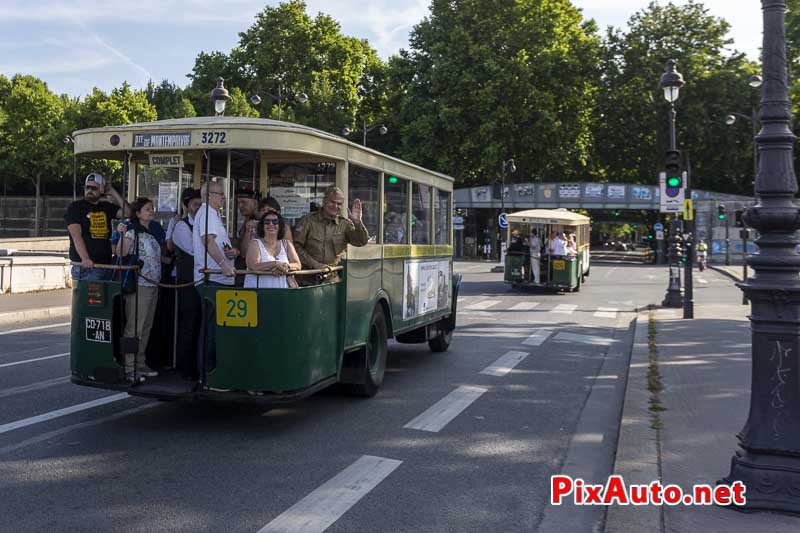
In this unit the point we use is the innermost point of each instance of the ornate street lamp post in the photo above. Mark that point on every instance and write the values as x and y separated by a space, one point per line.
301 98
769 460
220 97
509 166
671 82
383 130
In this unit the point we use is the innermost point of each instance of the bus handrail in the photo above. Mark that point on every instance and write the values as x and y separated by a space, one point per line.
312 272
108 267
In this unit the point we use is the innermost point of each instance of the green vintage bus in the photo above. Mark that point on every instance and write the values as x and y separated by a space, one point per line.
563 273
278 345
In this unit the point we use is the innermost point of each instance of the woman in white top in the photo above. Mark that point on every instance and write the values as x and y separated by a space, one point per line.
273 255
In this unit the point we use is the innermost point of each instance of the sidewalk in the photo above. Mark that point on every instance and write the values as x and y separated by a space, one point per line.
26 307
704 365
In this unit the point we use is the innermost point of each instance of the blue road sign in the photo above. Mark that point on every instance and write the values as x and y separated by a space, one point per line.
658 227
502 221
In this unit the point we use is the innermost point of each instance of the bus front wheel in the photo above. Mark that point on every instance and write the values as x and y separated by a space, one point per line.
373 364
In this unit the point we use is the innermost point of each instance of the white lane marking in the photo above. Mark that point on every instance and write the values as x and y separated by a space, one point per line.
505 363
524 306
33 386
442 412
606 312
538 337
623 302
36 328
80 425
485 304
25 422
461 300
588 339
703 281
326 504
26 361
566 309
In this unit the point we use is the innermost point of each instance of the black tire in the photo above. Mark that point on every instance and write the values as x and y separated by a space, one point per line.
373 356
441 342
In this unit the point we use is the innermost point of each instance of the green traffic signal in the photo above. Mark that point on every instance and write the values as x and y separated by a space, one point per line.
650 237
392 179
616 213
721 216
673 181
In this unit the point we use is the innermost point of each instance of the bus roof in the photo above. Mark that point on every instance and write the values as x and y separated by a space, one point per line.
549 216
241 133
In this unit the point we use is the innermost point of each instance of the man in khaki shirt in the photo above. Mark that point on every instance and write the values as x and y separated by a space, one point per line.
321 238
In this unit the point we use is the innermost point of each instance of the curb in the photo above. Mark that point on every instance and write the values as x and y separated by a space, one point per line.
29 315
637 448
726 273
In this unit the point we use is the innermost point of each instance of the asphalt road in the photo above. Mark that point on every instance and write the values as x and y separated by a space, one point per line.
80 459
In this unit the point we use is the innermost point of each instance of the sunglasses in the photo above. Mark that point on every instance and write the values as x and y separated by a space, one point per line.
273 221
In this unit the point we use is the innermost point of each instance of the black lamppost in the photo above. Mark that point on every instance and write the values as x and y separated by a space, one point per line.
301 98
509 166
671 82
730 119
220 97
769 460
383 130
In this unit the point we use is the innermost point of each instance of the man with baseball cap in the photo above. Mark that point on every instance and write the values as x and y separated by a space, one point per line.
89 225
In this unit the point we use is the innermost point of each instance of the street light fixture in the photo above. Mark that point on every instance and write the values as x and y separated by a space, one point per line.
220 97
383 130
730 119
301 98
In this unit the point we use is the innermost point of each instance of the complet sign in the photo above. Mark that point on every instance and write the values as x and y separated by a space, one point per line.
166 160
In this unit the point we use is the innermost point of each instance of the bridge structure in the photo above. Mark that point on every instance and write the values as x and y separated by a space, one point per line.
480 206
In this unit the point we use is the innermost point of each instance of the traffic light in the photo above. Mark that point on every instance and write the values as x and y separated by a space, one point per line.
616 212
721 212
672 167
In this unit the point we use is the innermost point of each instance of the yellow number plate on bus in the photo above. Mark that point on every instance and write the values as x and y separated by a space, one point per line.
237 309
559 264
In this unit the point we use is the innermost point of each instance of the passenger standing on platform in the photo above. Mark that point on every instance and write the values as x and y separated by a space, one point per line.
535 245
140 306
265 204
188 299
212 250
247 203
272 254
321 238
89 225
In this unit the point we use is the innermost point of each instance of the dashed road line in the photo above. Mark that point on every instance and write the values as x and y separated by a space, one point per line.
564 309
524 306
25 422
326 504
26 361
36 328
587 339
606 312
485 304
442 412
538 337
505 363
39 385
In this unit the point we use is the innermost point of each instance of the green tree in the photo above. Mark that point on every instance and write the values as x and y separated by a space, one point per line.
286 52
169 100
121 106
630 124
485 81
32 134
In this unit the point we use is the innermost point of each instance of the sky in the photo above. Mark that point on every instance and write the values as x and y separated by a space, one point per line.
76 45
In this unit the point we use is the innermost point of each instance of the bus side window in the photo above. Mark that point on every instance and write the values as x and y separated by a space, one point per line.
364 184
395 191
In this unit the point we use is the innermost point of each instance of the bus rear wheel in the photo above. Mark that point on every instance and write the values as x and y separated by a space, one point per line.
441 342
373 357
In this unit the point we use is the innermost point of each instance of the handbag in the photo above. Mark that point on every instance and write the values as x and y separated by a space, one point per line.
129 277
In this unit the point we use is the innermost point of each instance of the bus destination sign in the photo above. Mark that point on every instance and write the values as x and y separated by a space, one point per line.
162 140
166 160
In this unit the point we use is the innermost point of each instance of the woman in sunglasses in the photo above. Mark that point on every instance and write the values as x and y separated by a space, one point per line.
274 255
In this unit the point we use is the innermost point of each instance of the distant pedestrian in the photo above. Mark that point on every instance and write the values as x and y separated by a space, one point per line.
89 225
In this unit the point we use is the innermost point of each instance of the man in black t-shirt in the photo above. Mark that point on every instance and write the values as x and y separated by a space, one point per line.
89 225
